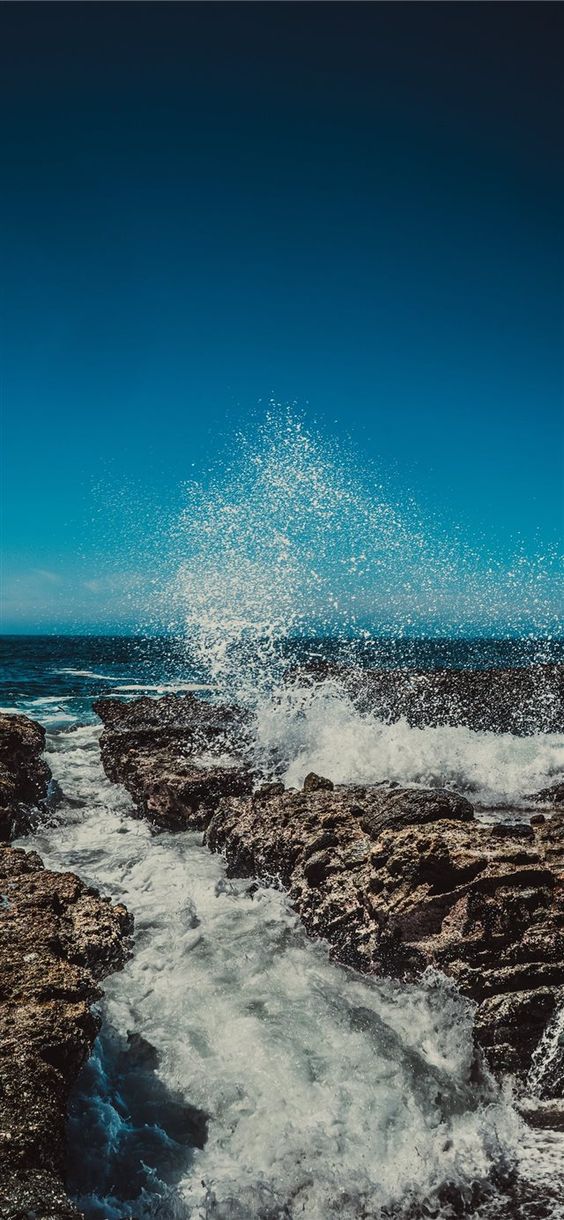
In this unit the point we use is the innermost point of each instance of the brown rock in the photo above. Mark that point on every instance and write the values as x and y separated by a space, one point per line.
314 783
57 939
151 747
405 879
24 776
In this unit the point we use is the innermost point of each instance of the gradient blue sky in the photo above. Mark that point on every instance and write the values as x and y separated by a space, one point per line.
357 207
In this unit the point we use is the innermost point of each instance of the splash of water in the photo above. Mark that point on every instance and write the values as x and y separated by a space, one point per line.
279 544
317 727
289 540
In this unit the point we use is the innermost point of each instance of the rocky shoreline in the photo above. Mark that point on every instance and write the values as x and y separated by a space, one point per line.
522 700
395 879
58 939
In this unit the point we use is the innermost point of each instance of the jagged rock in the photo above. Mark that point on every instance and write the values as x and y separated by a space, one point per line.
152 747
400 879
24 776
528 699
58 938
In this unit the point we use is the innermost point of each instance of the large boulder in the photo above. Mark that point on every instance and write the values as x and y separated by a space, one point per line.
159 749
58 938
24 775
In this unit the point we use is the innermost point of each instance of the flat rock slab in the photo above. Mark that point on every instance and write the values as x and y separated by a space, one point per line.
58 938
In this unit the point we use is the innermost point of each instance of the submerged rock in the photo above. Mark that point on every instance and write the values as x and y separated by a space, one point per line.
58 937
24 775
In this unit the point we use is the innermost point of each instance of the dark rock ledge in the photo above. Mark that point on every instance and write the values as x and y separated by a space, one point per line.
58 938
24 775
522 700
395 879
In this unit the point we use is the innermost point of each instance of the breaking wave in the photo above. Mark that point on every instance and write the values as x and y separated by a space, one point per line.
319 729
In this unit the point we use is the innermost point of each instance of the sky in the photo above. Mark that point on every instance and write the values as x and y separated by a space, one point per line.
355 208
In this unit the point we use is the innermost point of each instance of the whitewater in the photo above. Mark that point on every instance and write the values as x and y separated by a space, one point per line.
321 1094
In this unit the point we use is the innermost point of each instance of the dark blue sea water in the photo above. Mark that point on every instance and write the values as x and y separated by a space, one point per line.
56 678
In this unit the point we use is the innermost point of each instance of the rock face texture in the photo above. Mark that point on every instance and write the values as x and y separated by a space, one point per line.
401 879
24 776
520 700
157 750
57 939
395 879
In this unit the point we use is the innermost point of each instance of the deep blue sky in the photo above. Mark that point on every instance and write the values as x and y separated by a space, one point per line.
357 207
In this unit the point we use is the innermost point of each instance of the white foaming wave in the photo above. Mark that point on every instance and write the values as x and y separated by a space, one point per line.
88 673
126 686
319 729
329 1096
164 687
41 699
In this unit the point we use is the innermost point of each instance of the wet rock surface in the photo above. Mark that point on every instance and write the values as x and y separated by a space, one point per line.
519 700
398 880
157 749
24 775
58 938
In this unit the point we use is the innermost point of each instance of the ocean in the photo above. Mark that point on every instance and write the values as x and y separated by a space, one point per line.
240 1073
